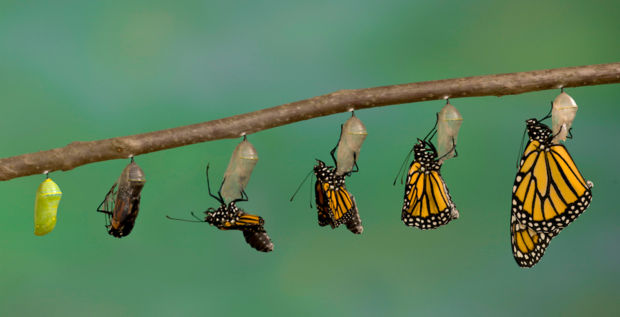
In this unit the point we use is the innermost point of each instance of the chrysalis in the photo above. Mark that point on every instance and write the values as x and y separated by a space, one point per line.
237 175
352 135
449 122
46 206
563 113
122 202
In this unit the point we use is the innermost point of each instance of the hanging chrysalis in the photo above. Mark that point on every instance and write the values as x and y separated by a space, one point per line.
449 122
122 202
352 135
563 112
46 207
230 217
240 167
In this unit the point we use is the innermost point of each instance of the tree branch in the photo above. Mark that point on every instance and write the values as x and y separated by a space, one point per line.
80 153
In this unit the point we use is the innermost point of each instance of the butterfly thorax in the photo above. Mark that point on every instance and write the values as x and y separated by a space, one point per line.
539 132
218 217
425 153
326 174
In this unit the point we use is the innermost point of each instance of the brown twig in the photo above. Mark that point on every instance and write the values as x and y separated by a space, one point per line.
80 153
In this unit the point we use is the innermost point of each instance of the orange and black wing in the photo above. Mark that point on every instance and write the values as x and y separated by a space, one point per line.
528 246
341 206
427 200
549 191
322 205
241 221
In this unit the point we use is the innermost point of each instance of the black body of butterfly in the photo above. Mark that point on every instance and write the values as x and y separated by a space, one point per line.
427 202
122 202
548 194
335 204
231 217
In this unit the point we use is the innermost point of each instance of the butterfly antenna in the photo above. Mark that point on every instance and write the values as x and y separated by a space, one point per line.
185 220
196 217
310 196
401 168
521 147
302 183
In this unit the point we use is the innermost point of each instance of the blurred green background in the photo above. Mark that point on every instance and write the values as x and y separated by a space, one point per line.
80 70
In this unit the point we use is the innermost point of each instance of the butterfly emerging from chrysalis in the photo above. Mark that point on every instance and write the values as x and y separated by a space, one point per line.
230 217
335 204
548 194
427 201
122 202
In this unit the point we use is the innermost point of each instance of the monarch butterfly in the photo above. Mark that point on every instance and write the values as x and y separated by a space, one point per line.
46 207
240 167
122 203
427 204
231 217
549 191
335 204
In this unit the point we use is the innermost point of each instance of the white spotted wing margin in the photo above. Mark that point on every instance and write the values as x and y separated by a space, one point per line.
427 201
528 245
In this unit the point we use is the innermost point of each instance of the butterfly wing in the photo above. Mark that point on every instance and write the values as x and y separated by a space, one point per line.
549 191
528 246
322 205
341 206
428 204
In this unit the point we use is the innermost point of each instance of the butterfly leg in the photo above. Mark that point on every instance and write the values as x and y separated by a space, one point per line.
335 147
219 197
244 196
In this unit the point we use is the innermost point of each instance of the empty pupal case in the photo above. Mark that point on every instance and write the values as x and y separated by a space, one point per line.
449 122
563 112
352 136
240 167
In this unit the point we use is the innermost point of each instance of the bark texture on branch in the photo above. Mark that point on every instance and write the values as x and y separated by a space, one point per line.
80 153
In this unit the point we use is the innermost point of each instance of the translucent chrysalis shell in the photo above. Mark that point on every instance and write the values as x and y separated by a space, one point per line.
352 136
122 203
449 122
563 113
237 175
46 206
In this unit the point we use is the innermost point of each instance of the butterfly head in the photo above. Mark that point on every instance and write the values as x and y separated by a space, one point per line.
321 170
538 131
216 216
424 151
